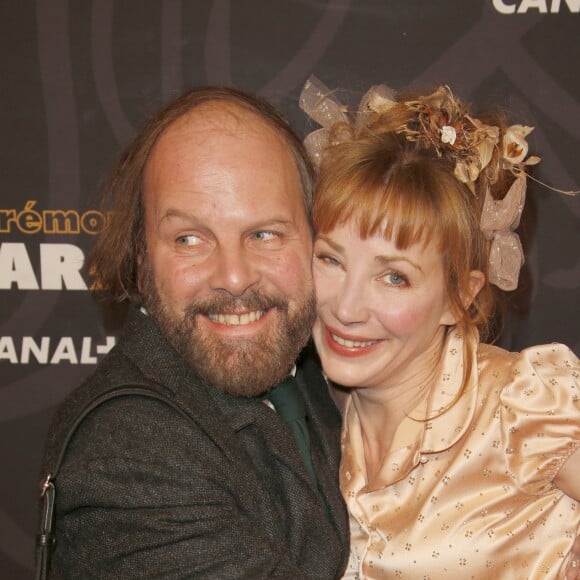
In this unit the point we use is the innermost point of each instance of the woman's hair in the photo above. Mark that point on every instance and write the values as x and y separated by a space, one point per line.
407 191
112 263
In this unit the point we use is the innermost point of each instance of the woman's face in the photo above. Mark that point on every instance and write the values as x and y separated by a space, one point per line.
381 310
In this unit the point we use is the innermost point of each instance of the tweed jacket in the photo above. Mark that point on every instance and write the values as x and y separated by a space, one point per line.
145 493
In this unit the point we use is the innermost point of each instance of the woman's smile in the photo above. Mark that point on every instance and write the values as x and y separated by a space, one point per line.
382 310
348 345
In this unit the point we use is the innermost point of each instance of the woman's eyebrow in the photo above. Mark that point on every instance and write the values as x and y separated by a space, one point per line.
387 259
334 245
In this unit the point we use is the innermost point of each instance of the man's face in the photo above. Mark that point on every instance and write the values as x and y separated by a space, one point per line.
226 272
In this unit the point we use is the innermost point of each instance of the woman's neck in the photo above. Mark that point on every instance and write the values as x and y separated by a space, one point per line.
381 409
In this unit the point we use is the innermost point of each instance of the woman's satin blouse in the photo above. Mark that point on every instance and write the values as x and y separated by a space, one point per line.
473 497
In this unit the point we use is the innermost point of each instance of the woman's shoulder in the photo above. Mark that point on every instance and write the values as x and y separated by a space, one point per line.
544 377
539 413
495 366
544 363
551 355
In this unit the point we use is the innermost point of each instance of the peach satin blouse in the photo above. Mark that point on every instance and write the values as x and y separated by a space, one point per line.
473 496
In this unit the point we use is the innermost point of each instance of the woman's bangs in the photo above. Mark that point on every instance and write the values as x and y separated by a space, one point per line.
404 216
401 216
337 201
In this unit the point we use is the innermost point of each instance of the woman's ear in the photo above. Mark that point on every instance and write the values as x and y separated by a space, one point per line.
475 282
473 285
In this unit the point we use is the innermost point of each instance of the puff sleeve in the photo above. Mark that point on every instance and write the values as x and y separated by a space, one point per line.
540 415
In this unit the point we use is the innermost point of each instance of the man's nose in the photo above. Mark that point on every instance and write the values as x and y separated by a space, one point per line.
235 270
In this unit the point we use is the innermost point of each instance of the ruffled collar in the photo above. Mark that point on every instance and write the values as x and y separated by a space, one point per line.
430 436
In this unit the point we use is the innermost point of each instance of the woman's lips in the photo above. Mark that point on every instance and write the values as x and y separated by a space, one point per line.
350 346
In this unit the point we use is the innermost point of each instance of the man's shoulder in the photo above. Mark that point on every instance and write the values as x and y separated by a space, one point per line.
112 373
123 367
121 372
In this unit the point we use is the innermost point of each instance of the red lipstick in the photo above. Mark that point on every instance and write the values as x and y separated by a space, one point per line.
346 351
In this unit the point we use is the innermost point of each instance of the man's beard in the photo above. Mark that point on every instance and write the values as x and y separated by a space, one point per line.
240 366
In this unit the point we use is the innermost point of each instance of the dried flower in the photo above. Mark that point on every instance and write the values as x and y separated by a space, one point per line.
448 134
514 145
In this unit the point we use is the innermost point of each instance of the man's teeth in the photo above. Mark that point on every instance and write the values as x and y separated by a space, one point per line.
351 343
237 319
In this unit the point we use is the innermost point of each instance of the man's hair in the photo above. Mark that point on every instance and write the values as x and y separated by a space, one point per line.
112 263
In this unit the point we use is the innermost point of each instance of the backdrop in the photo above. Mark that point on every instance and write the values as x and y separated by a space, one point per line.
79 78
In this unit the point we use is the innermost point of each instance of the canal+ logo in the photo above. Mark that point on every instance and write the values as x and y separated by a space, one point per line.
537 6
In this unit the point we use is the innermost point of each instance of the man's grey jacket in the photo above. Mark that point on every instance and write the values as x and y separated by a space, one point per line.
146 493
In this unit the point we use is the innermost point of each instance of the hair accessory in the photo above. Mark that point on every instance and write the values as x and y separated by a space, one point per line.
439 120
442 122
499 219
448 134
317 101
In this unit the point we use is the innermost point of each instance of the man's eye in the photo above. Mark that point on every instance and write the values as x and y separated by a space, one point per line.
264 236
189 240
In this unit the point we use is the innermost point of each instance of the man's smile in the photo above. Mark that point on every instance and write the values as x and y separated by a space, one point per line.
237 319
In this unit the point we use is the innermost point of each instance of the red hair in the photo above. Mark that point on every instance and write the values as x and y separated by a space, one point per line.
407 192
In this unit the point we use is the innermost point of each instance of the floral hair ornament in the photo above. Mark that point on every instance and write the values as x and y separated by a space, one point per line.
438 120
442 122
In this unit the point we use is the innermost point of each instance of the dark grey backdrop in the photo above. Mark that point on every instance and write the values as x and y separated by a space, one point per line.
78 78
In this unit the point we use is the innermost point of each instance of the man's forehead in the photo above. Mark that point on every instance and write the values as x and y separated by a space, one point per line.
223 117
217 135
212 127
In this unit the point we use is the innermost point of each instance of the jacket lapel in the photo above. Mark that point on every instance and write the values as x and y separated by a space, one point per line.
325 424
277 437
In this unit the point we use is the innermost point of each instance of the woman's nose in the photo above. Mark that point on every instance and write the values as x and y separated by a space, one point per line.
350 306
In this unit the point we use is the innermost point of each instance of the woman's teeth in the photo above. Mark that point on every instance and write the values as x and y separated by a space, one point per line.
351 343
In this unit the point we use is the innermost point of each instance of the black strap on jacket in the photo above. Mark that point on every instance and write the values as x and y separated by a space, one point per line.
46 540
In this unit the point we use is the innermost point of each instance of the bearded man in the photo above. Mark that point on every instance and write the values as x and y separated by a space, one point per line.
209 240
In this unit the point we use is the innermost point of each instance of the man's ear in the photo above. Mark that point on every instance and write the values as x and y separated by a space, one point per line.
473 285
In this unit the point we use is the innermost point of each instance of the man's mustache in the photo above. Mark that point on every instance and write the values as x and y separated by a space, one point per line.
224 303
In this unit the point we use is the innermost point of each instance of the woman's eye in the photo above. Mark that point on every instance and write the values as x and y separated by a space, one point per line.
188 240
395 279
326 259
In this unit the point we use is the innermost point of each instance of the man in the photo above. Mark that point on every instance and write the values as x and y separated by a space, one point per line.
209 239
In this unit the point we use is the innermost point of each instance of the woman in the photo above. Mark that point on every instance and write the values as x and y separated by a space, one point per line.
458 457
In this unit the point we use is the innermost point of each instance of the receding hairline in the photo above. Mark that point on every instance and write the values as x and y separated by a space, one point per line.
225 114
222 117
230 117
